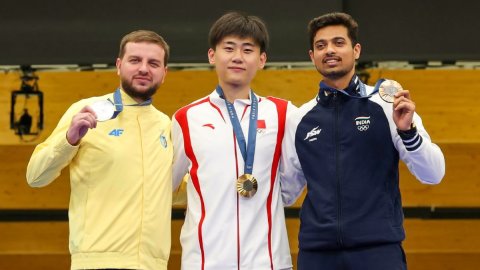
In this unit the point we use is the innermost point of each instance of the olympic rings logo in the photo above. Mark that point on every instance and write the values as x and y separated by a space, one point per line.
363 127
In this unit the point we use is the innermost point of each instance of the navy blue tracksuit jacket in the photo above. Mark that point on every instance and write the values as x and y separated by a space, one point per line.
346 150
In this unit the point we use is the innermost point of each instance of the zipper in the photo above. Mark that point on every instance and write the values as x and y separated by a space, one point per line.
337 169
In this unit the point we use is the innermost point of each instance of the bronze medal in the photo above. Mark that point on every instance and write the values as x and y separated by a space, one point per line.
247 185
388 89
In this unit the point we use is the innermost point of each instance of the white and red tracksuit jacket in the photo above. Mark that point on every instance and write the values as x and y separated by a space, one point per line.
223 230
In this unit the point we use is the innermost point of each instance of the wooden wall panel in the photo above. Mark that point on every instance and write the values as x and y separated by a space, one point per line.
15 193
430 244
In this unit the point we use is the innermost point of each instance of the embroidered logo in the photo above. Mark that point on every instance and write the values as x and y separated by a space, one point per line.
311 135
362 123
116 132
261 126
163 141
209 125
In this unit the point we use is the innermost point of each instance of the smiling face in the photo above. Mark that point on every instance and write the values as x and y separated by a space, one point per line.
141 69
333 54
236 61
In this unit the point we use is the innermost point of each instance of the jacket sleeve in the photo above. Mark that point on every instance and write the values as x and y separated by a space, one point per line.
292 179
52 155
180 160
423 158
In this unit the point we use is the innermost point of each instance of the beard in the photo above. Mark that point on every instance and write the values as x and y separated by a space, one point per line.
335 74
342 69
134 93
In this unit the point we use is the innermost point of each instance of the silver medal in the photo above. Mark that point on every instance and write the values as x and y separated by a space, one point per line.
104 109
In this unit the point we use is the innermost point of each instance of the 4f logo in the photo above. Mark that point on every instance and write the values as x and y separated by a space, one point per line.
116 132
311 135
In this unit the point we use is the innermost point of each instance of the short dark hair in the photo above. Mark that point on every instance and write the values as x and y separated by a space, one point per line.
335 18
238 24
145 36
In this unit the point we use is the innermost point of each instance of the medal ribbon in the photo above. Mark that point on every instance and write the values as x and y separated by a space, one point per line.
117 101
247 150
356 84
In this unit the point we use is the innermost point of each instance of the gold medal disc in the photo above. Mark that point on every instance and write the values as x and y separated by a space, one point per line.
388 89
247 185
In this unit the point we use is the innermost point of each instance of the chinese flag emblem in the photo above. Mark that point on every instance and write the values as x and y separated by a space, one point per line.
261 124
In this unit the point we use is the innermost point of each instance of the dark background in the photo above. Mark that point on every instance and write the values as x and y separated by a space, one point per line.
89 31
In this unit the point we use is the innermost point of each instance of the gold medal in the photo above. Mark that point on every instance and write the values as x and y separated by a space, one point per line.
388 89
247 185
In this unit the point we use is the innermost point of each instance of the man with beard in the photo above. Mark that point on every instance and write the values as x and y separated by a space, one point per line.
120 154
345 145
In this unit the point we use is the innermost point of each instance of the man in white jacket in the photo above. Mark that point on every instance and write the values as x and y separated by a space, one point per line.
230 144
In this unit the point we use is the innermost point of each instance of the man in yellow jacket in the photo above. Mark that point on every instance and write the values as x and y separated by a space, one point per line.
120 154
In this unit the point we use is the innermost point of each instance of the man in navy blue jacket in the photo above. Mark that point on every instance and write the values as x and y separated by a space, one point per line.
345 145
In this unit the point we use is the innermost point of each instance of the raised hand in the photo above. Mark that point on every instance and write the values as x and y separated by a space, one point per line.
403 110
81 123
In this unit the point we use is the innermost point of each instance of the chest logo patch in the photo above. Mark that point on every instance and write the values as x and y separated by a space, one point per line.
362 123
312 134
209 126
261 126
163 141
116 132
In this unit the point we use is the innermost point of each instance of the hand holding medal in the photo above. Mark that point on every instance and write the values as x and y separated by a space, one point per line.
403 110
81 122
403 107
88 117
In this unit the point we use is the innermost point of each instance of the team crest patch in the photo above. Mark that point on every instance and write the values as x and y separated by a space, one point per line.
261 126
163 141
362 122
